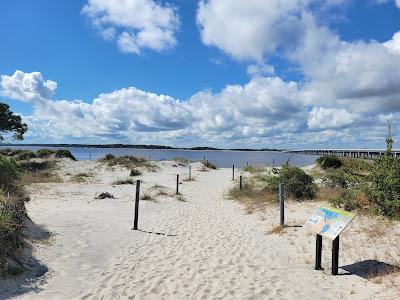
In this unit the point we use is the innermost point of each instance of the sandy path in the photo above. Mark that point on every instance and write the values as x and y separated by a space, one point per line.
211 249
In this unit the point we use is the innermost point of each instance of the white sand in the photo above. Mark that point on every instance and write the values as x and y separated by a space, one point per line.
212 249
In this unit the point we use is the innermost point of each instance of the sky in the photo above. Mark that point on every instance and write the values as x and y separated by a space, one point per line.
224 73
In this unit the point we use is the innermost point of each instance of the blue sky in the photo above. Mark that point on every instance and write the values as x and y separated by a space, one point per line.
217 73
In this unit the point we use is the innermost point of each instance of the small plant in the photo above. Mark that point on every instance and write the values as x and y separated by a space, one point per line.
9 174
109 157
44 153
350 200
253 170
123 181
276 230
329 162
209 165
135 172
64 153
147 197
105 195
180 198
129 162
181 161
81 177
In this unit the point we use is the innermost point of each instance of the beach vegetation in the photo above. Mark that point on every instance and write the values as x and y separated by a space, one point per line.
147 197
64 153
105 195
44 153
209 165
253 170
123 181
81 177
329 162
130 162
135 172
181 161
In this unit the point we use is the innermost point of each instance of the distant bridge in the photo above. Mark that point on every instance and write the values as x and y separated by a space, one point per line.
355 153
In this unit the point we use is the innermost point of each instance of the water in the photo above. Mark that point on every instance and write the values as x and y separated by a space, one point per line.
222 159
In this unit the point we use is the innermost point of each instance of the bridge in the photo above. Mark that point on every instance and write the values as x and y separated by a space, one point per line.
354 153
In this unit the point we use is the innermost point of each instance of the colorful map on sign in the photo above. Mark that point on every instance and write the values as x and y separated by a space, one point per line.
329 222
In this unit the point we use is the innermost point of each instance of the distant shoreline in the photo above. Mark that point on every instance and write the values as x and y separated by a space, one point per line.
148 147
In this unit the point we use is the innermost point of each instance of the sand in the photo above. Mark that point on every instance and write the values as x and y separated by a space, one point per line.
206 247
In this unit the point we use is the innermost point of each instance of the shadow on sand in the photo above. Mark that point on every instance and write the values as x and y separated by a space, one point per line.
157 233
11 286
370 268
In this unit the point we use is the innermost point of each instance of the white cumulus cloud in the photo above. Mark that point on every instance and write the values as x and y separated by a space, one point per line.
328 118
135 24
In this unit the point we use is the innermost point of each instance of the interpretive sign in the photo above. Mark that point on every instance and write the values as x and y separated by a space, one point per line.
329 222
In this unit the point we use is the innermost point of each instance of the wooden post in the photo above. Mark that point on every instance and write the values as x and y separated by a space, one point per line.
233 172
247 163
204 158
190 172
241 182
335 256
282 203
135 221
318 252
90 156
177 184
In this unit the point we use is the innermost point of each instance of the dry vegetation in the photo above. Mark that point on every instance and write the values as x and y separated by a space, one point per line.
130 162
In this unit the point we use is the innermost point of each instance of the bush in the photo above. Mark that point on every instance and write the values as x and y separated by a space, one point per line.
44 153
108 157
105 195
25 155
329 162
350 200
341 178
298 184
135 172
9 174
385 186
64 153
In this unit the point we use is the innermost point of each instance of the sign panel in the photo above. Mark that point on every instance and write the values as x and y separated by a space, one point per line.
329 222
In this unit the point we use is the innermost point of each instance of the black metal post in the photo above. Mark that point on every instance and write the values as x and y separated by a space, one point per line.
282 203
135 221
335 256
190 172
233 172
241 182
177 184
318 252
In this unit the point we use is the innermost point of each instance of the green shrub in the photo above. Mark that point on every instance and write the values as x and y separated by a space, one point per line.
253 170
44 153
64 153
341 178
25 155
108 157
105 195
385 186
349 200
298 184
357 165
329 162
181 160
135 172
9 174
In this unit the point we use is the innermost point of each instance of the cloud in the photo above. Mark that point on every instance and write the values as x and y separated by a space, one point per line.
136 25
330 118
27 86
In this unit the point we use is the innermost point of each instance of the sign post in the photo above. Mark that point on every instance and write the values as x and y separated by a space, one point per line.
328 222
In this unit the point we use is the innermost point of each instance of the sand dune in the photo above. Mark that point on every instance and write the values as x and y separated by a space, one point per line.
204 248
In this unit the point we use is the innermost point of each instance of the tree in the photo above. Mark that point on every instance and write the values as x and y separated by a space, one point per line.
10 122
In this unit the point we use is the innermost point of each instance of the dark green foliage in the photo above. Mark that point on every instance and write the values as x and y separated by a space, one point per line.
64 153
348 200
9 174
385 186
44 153
135 172
108 157
341 178
105 195
298 184
329 162
9 122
